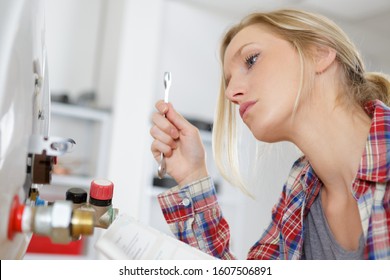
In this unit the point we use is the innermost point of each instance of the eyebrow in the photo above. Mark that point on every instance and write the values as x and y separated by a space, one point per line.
227 79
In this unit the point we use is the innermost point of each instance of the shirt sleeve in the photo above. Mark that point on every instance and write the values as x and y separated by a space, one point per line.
195 217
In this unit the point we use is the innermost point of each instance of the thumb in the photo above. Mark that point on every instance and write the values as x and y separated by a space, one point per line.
176 119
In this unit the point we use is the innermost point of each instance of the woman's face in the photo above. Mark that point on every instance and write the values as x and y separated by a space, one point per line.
262 73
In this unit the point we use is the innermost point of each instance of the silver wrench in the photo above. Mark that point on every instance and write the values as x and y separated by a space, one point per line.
161 171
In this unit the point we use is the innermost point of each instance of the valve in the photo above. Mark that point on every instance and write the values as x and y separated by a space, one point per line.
99 202
58 221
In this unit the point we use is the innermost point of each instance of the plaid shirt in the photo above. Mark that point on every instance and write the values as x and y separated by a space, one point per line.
195 217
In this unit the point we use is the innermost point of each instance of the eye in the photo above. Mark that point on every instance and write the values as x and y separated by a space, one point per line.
251 60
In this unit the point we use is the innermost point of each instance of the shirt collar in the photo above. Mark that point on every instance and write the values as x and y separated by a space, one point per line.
375 162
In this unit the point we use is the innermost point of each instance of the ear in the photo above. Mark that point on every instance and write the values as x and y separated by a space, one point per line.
323 58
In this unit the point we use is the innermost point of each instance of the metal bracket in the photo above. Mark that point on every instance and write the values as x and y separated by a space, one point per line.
51 146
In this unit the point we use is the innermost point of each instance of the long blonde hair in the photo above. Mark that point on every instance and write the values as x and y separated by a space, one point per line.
303 30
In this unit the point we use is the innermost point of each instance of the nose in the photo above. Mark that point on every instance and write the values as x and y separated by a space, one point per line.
234 91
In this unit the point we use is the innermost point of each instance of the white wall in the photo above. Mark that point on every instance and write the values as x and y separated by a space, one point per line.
73 43
189 49
130 160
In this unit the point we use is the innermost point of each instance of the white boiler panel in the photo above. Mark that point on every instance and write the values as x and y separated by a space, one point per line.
24 106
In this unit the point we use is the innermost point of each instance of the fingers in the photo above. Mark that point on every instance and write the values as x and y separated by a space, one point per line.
159 147
168 127
178 121
163 129
163 132
160 135
160 120
162 107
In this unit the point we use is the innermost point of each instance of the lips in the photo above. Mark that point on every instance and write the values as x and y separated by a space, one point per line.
244 107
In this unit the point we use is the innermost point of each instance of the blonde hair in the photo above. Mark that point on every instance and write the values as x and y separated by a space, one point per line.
303 30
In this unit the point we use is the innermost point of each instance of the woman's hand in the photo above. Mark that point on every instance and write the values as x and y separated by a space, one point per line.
181 144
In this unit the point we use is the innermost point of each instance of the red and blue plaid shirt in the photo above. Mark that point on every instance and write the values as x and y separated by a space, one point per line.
195 217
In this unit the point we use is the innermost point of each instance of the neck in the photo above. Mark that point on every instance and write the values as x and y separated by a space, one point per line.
333 139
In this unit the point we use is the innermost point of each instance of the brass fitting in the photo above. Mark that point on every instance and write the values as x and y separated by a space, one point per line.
82 223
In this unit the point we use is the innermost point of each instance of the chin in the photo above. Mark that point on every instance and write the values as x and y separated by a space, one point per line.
262 136
266 135
266 139
271 129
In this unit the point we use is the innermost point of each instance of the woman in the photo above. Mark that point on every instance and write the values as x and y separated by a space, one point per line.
293 76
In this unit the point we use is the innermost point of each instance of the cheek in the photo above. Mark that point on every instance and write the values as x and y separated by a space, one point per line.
276 86
281 81
270 121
